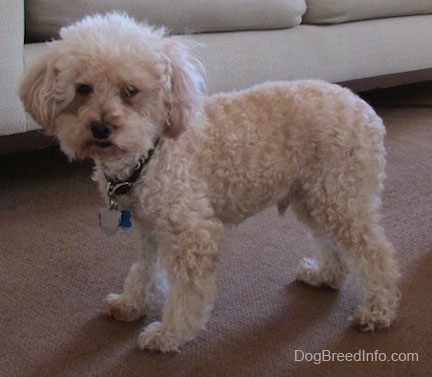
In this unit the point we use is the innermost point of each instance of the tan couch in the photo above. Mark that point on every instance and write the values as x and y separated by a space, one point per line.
371 42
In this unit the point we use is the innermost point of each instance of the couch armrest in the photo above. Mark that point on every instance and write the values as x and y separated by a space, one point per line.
12 117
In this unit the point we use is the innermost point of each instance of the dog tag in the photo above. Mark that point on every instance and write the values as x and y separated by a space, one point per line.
125 219
109 220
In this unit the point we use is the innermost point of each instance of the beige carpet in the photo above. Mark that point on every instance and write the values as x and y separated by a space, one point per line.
56 267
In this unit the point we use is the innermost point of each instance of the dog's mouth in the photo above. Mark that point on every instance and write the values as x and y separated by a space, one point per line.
103 143
100 149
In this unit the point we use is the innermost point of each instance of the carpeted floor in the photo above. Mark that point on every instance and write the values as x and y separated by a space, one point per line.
56 267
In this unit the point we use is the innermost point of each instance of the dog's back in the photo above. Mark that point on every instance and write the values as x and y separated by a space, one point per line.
262 143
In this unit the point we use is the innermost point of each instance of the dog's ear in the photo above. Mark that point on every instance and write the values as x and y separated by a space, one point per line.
184 85
38 92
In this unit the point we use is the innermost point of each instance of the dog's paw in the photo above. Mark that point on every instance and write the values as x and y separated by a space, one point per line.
370 318
156 337
122 308
311 273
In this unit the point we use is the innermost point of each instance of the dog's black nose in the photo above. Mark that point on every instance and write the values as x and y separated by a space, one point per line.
101 130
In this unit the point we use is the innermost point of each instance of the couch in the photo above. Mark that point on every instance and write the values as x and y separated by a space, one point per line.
365 44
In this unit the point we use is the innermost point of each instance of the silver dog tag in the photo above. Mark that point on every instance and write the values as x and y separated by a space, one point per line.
109 220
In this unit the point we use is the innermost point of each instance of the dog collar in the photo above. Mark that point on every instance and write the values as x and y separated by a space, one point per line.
121 187
110 219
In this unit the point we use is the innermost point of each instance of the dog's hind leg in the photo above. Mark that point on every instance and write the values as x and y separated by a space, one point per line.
373 256
356 231
328 269
139 287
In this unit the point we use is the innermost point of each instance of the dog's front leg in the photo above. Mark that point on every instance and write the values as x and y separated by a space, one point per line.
190 259
139 286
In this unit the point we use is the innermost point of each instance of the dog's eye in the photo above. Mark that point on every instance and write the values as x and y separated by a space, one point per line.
84 89
129 92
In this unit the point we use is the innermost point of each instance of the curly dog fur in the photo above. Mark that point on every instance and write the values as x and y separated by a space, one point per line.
111 86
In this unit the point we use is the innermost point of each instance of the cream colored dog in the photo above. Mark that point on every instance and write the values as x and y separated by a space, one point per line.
187 165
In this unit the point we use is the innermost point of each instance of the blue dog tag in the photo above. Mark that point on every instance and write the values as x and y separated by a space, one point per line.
126 219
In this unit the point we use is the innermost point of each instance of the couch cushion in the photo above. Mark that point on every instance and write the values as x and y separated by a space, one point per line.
337 11
44 18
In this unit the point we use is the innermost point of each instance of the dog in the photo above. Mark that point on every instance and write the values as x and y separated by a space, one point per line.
183 166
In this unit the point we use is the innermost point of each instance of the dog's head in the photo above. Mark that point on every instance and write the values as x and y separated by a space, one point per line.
110 86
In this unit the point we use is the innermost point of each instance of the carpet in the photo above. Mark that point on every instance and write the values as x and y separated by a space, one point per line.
56 267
